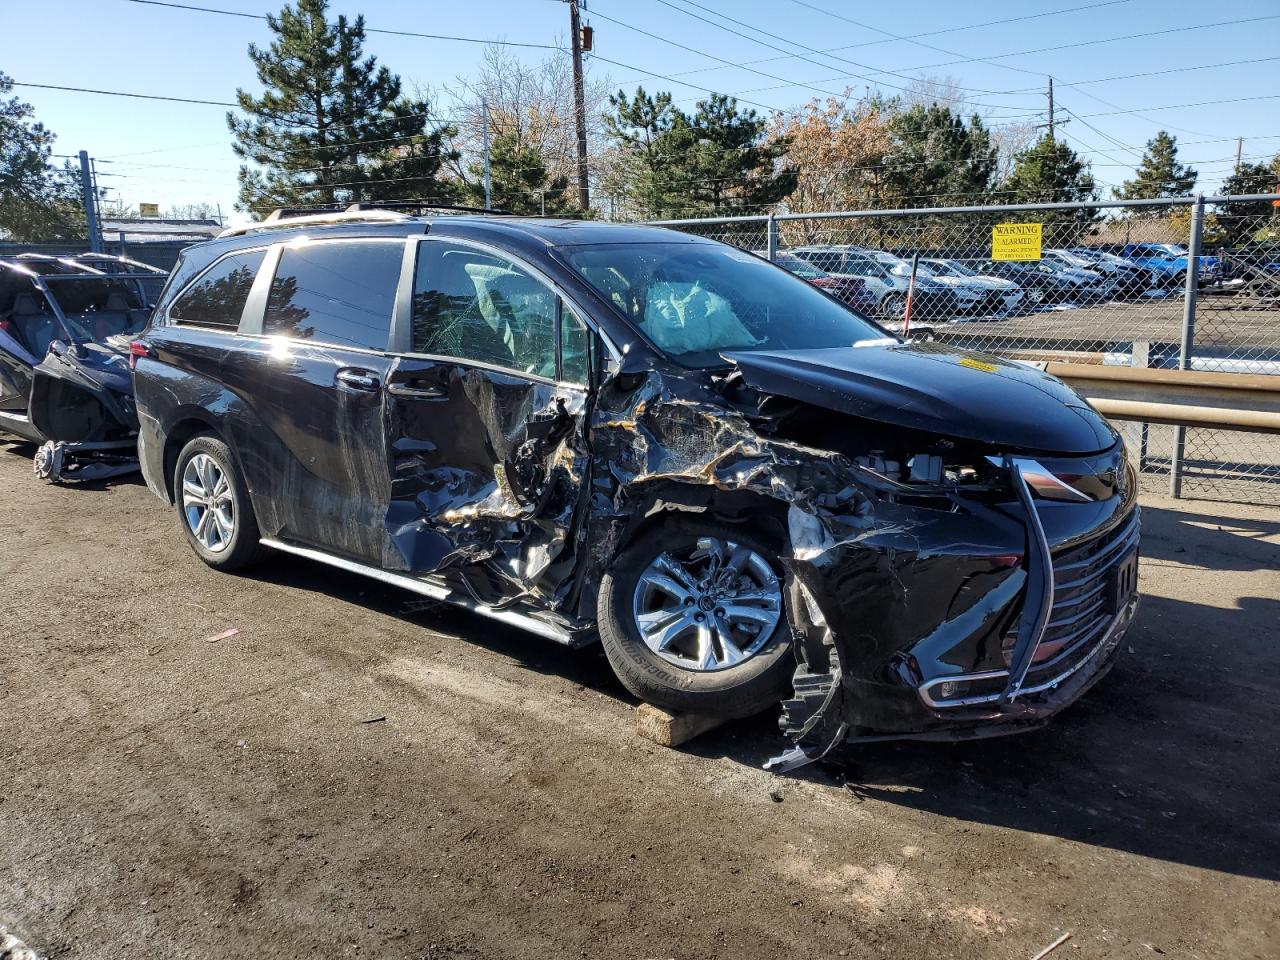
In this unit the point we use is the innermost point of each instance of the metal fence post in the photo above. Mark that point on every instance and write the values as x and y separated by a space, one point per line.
1140 356
1188 336
773 237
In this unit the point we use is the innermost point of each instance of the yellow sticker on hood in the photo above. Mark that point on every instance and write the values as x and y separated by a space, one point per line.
973 364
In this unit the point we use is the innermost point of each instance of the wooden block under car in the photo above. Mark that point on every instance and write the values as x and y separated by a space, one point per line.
671 729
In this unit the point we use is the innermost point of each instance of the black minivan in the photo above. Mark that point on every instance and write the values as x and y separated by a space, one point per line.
747 492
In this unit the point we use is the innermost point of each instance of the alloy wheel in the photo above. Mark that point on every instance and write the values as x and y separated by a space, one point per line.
207 502
707 607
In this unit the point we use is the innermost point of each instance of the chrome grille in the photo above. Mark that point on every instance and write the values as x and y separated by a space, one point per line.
1082 598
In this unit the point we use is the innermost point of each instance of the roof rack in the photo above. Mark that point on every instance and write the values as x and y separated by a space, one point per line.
273 222
403 205
364 211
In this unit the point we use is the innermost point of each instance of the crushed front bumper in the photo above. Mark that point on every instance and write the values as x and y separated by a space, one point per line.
957 627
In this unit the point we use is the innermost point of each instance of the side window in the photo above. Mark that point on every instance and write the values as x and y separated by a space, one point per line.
475 305
338 292
217 299
575 348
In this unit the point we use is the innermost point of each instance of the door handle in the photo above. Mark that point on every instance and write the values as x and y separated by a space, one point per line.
358 379
400 389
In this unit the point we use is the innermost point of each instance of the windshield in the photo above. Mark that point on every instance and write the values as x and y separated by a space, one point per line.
695 301
98 307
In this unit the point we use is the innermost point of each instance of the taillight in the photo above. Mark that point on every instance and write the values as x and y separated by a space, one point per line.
138 349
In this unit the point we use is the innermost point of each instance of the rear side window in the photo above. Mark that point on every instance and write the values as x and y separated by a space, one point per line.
340 292
217 299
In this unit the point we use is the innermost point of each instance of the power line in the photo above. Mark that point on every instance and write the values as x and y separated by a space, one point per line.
930 33
1151 73
1182 106
796 43
397 33
120 93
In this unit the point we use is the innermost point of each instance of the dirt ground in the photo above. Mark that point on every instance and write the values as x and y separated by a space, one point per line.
162 795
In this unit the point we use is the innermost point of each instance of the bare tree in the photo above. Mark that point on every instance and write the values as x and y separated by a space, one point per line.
1011 140
193 211
928 89
530 103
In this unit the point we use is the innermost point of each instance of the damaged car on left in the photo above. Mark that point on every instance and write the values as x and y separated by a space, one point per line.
65 384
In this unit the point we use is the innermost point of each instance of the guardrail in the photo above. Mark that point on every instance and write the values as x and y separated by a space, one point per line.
1189 398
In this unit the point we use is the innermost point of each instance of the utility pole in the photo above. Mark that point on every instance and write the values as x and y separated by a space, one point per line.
488 191
90 205
1239 149
1054 122
1051 108
579 107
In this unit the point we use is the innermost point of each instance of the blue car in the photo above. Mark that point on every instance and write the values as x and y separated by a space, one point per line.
1168 262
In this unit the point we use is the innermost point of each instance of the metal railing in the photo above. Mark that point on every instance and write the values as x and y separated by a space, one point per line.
1174 284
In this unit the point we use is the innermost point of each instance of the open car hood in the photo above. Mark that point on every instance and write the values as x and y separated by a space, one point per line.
933 387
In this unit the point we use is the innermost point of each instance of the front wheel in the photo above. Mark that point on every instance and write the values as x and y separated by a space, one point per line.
894 307
692 618
213 504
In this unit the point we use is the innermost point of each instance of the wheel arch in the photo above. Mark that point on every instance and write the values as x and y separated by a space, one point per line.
188 423
661 501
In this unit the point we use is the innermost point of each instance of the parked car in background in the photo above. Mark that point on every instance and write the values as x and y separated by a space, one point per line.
65 326
852 291
1092 286
1042 284
1128 278
618 432
975 294
1169 262
933 302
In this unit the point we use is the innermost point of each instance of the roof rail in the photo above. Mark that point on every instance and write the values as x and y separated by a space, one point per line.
404 205
273 222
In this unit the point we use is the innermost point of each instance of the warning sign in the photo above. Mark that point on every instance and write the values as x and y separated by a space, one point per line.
148 209
1016 241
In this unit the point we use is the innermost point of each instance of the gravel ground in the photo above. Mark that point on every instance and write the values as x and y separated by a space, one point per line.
357 774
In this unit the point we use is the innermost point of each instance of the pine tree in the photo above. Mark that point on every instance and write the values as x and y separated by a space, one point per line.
331 127
650 138
732 167
1159 174
1049 171
1240 222
38 202
939 158
519 181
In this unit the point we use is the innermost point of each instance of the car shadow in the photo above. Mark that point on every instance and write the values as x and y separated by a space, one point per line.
1174 755
586 666
1196 539
1170 756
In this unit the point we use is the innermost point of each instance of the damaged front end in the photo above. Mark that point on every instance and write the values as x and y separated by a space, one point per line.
947 576
82 403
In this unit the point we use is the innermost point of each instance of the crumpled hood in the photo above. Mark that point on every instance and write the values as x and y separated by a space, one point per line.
934 387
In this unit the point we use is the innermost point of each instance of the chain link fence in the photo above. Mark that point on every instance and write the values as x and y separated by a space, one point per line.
1179 284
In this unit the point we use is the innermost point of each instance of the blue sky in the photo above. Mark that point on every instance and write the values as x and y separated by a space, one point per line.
179 153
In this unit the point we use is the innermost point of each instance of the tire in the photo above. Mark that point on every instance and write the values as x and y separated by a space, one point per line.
893 307
226 538
1179 280
672 679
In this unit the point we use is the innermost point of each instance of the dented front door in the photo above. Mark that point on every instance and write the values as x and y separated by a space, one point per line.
485 425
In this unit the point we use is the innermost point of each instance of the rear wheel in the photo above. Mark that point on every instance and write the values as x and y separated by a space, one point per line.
213 504
692 618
